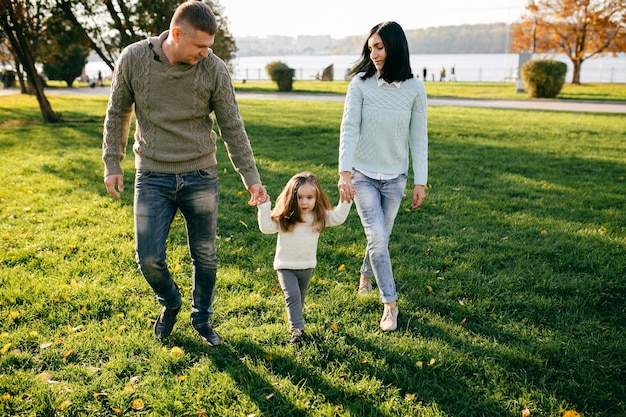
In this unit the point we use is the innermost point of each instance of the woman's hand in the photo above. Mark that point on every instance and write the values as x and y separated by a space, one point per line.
346 189
419 194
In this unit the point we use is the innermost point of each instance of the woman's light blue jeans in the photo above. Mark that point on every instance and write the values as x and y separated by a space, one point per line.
378 202
157 199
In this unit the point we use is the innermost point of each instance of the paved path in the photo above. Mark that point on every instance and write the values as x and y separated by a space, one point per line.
533 104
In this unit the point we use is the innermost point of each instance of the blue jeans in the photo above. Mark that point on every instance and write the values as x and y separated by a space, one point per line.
157 199
378 202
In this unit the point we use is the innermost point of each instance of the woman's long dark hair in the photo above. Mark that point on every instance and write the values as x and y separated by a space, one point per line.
397 65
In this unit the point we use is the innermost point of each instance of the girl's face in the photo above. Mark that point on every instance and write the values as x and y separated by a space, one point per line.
307 196
377 51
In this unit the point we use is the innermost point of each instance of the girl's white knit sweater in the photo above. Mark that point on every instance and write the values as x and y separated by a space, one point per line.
297 249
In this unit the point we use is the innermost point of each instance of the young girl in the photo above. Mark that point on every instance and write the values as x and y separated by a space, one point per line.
384 118
302 211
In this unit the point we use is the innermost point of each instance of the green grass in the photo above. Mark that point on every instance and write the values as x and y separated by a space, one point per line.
601 92
510 277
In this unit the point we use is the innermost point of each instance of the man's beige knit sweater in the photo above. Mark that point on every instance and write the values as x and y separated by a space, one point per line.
173 106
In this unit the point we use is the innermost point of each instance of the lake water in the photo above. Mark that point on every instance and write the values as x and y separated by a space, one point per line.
468 67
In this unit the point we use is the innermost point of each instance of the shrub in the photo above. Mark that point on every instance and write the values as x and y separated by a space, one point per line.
543 78
280 73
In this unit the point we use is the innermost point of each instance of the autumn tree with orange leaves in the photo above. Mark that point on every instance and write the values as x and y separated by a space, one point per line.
580 29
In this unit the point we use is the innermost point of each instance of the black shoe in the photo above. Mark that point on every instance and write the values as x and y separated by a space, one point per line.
206 332
297 336
165 322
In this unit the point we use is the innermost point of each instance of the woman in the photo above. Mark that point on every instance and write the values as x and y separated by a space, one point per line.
384 117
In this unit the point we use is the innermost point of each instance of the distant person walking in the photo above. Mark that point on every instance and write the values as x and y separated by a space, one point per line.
302 212
442 74
453 73
384 118
424 73
175 84
100 78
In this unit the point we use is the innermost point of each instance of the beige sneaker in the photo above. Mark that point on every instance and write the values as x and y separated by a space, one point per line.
389 322
365 286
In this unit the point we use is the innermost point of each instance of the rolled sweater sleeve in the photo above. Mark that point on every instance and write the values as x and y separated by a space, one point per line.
418 142
350 126
339 214
266 224
232 129
117 119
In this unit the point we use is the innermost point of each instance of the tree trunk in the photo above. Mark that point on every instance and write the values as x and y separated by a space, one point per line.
576 72
12 26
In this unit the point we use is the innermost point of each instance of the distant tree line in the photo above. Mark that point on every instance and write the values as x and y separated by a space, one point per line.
465 39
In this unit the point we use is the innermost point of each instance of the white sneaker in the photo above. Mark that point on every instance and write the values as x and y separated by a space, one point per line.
365 286
389 322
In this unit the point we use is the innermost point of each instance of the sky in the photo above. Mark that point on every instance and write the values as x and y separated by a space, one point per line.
341 18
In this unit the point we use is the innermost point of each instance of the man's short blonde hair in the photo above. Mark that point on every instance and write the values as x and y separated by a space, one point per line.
195 15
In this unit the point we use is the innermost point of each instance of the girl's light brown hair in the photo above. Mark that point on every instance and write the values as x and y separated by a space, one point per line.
287 212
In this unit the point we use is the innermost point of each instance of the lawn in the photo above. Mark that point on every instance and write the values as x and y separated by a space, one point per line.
593 92
510 277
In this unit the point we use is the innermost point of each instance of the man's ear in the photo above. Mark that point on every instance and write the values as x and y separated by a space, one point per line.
176 33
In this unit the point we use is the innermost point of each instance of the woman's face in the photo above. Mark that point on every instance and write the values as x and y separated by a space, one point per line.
377 51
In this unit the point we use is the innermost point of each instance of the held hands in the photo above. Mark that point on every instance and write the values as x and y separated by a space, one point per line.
258 195
110 181
346 189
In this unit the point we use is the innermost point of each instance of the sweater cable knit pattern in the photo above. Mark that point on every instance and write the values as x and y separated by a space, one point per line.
380 124
174 107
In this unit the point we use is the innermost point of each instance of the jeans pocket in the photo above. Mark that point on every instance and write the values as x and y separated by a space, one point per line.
208 173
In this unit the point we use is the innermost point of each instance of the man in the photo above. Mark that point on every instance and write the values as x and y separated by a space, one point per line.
175 83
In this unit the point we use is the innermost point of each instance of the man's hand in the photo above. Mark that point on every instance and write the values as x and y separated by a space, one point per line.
258 195
114 180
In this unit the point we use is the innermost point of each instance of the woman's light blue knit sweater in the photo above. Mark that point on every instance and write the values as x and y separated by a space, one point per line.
381 124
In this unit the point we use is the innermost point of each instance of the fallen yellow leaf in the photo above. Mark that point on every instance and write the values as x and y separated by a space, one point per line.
409 397
65 404
419 364
67 353
334 327
137 404
177 351
341 268
432 362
